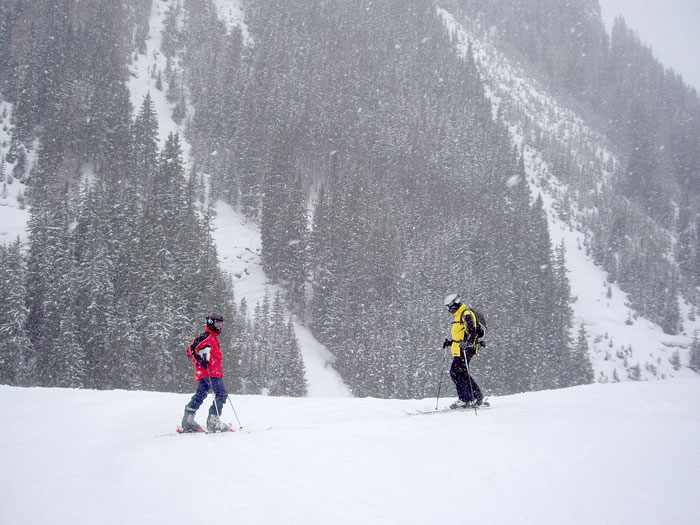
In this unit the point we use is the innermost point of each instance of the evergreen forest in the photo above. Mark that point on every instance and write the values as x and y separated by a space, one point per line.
363 144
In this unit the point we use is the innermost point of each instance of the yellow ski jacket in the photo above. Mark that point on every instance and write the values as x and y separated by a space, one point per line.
463 328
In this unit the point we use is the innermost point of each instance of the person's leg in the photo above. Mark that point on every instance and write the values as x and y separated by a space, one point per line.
188 422
220 395
214 423
458 373
198 397
478 396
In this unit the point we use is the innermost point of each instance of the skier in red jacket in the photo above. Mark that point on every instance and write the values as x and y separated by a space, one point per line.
205 352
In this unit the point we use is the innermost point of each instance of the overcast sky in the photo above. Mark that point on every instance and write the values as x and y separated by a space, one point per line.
670 27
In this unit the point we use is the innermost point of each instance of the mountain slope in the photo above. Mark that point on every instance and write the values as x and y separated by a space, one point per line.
237 240
238 245
622 343
623 453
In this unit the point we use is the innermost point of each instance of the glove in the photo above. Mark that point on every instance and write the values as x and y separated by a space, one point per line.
447 343
202 356
482 344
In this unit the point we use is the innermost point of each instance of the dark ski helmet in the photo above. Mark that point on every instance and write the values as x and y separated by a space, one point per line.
214 322
453 302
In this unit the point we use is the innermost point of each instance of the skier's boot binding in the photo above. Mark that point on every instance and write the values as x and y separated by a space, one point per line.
214 424
188 422
459 404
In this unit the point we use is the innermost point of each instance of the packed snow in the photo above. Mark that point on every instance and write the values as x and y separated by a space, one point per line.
604 453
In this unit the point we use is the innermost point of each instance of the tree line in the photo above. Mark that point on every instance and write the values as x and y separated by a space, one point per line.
643 223
365 115
361 142
120 267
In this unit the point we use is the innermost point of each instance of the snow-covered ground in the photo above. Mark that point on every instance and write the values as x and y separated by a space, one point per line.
623 453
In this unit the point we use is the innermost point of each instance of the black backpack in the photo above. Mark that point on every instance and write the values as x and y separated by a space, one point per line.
481 321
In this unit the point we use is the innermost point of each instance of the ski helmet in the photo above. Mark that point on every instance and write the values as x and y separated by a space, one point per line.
453 302
214 322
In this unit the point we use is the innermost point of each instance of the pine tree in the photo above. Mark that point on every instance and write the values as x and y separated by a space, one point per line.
579 370
124 340
75 368
50 266
163 224
263 348
276 350
694 361
94 294
293 381
145 133
16 353
562 313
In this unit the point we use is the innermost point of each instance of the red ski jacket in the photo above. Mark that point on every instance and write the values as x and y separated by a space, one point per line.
210 339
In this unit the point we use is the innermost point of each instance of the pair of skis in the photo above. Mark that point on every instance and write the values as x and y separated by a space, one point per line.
230 429
486 405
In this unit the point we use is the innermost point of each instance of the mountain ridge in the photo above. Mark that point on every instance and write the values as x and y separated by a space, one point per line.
626 348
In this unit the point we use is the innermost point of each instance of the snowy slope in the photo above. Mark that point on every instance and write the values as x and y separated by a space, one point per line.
619 339
238 245
142 79
13 215
621 453
231 12
237 240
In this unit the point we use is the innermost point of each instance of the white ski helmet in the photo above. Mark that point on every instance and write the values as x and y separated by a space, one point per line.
452 302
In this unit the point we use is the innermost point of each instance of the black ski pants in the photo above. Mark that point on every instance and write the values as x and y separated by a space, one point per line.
462 380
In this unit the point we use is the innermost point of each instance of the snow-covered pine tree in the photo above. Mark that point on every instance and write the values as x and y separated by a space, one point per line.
694 360
16 355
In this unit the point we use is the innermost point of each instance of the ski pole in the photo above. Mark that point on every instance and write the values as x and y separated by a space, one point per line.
216 407
442 372
240 427
211 387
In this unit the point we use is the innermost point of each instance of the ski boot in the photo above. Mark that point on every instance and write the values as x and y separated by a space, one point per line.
188 422
459 404
214 424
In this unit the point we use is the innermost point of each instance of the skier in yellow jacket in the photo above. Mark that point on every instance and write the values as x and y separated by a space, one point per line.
466 332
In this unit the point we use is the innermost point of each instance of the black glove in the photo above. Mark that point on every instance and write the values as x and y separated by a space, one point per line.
482 344
447 343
